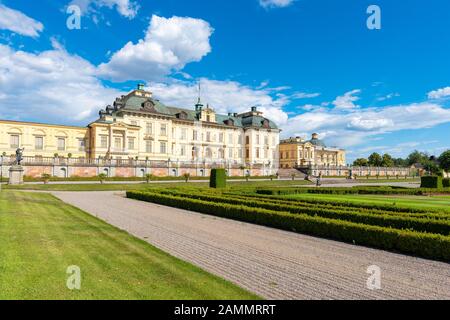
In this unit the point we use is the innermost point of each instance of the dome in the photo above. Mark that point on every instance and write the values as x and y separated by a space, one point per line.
316 141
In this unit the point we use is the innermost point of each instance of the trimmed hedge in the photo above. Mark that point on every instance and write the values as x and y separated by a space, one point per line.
446 183
354 190
433 246
431 182
218 178
393 220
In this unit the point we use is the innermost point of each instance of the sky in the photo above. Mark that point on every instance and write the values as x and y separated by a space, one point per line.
309 65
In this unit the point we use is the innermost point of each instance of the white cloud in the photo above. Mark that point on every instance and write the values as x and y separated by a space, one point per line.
275 3
18 22
347 100
440 93
223 96
388 96
126 8
349 127
169 44
52 86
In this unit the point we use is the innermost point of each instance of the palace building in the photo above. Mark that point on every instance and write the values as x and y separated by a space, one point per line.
139 127
298 152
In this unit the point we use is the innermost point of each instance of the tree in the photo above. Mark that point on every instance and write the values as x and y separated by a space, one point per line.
387 160
444 161
375 160
361 162
400 162
417 157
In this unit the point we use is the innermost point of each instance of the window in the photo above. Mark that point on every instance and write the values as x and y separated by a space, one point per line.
230 153
130 143
61 144
230 138
149 128
194 135
247 153
220 137
208 153
240 139
81 144
208 136
14 141
162 147
208 118
148 146
39 143
183 134
163 130
183 151
257 153
266 153
257 139
104 142
117 143
266 140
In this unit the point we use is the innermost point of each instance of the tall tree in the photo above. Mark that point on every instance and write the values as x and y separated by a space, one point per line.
417 157
387 160
361 162
444 161
375 160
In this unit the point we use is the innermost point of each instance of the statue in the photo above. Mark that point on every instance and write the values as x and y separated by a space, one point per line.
19 155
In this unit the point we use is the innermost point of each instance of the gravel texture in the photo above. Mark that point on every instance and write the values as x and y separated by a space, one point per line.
272 263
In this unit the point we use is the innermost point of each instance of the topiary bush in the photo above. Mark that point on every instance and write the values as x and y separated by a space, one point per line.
446 183
218 178
433 182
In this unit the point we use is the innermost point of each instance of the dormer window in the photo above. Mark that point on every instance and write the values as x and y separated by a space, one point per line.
149 106
266 123
182 115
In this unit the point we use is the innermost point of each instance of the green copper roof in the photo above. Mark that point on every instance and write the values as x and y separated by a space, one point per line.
133 102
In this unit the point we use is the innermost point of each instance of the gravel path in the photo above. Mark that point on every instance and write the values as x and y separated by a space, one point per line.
272 263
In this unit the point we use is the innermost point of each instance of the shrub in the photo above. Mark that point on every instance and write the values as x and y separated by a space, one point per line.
218 178
426 245
432 182
46 178
102 177
446 183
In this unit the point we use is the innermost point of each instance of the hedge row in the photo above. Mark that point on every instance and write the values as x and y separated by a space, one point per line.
358 190
433 246
446 183
434 182
384 220
401 212
384 207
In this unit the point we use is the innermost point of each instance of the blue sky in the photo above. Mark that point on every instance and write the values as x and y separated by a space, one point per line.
311 65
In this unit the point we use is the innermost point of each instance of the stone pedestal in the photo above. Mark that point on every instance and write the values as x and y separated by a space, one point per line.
16 175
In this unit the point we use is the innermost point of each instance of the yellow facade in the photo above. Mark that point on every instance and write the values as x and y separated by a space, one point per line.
43 140
140 127
297 152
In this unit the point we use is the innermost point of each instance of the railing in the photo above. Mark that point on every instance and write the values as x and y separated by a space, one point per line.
62 161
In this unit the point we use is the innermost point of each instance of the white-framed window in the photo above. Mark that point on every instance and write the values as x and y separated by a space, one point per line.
163 131
148 146
208 136
39 143
117 143
149 128
240 139
163 147
61 144
183 135
221 137
81 144
183 150
266 140
104 142
230 153
230 138
257 153
257 139
14 141
194 135
266 153
130 143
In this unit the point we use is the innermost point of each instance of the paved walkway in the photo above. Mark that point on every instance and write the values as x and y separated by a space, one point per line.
272 263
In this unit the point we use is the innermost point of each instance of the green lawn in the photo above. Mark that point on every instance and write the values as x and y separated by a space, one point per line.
424 202
41 236
144 186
